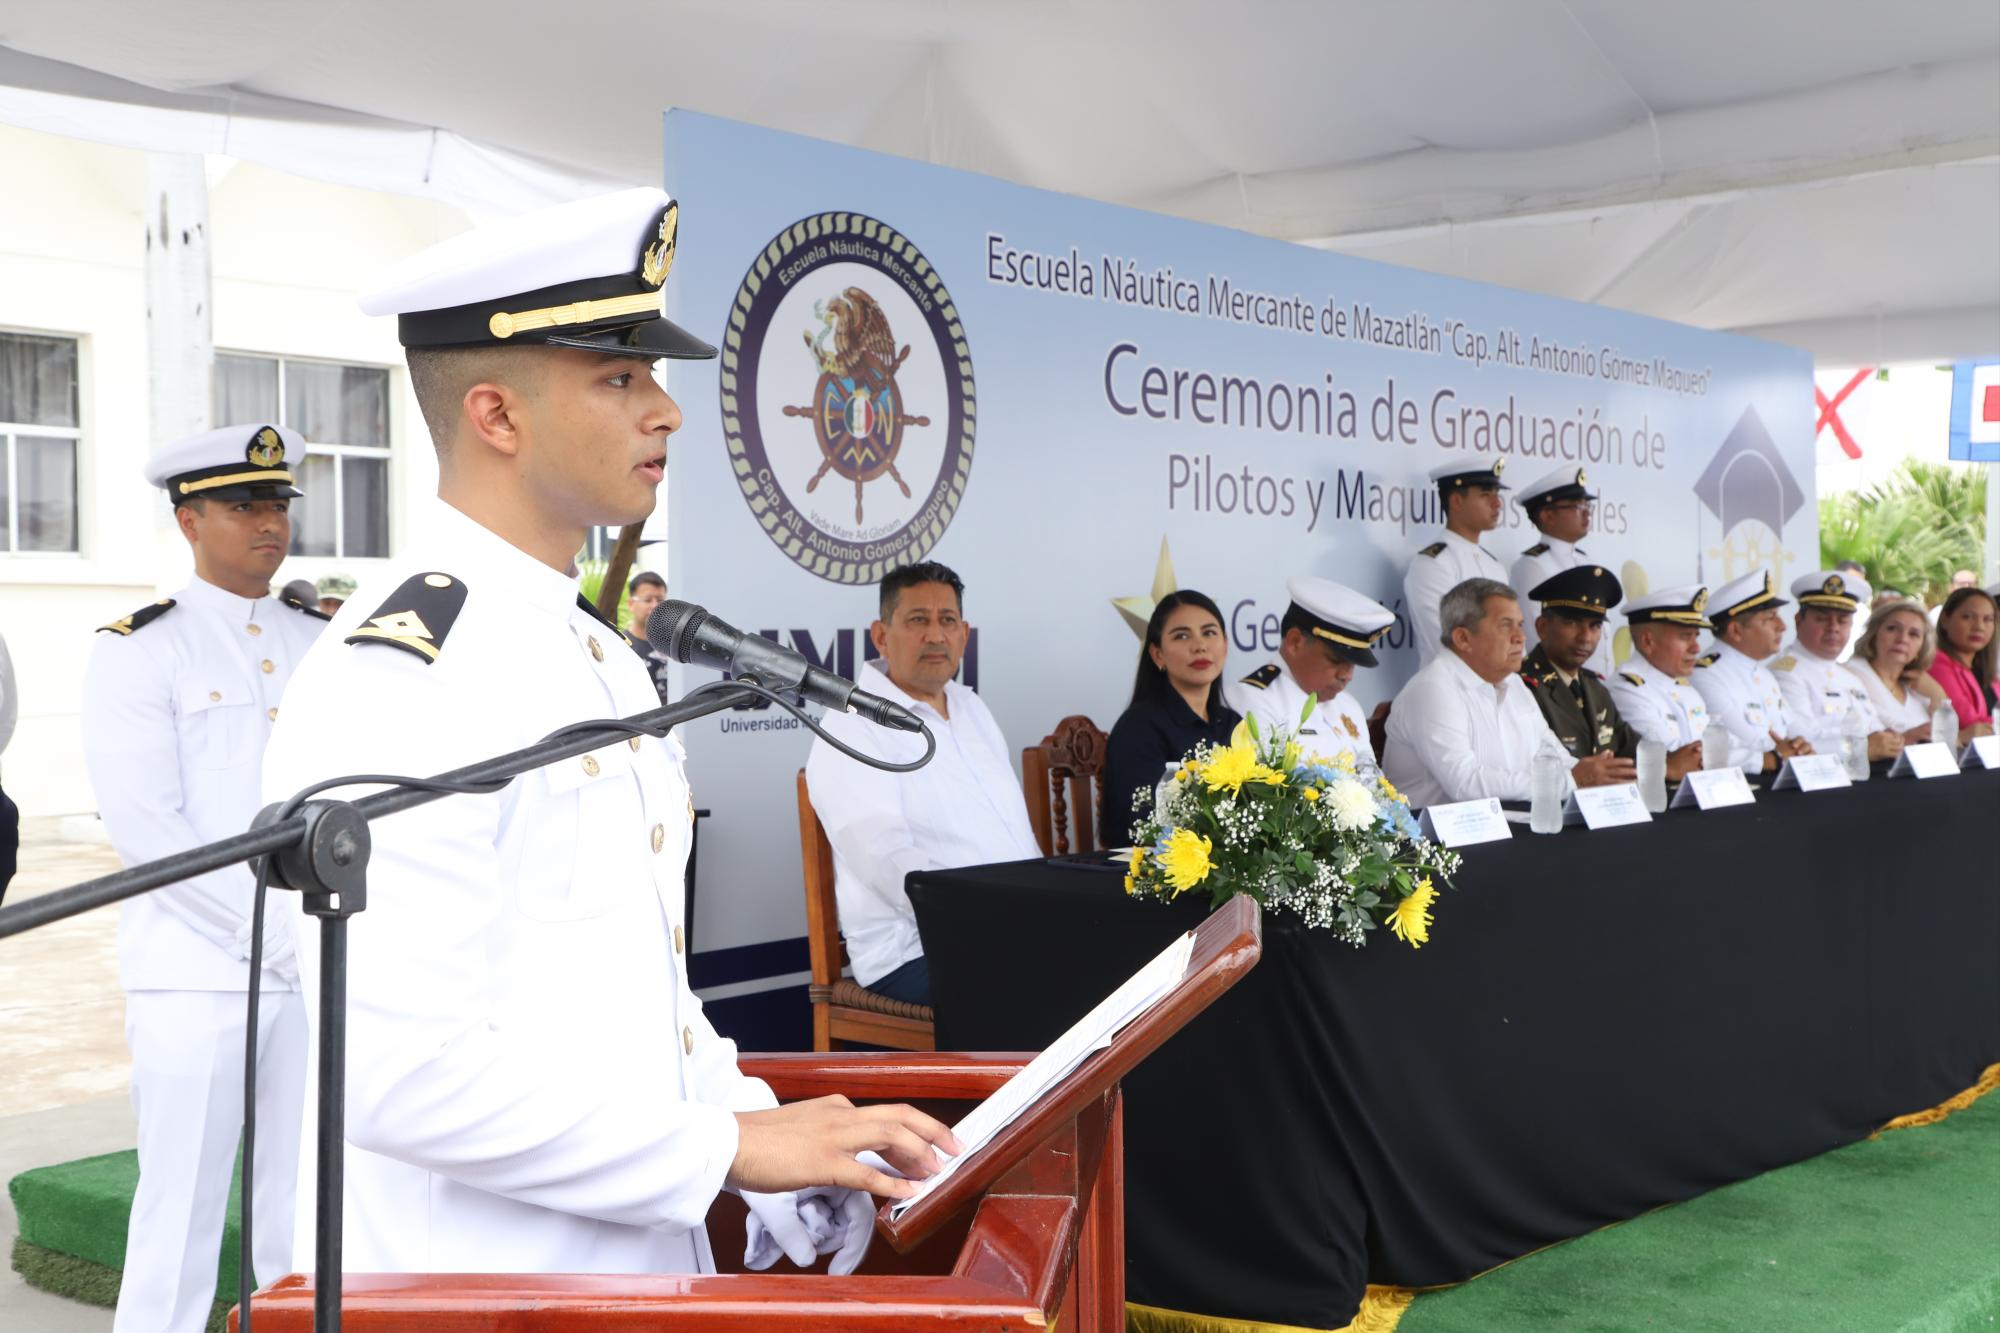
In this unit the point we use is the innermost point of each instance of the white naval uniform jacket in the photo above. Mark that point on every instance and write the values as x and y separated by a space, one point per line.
1435 571
1819 693
1541 562
1335 725
176 714
1659 707
532 1086
1743 696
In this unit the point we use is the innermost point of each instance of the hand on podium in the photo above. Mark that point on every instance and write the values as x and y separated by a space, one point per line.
816 1142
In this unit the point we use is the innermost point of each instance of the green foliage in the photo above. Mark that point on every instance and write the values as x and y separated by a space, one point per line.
1911 531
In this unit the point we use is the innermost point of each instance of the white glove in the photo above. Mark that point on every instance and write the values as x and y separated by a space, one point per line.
280 945
803 1224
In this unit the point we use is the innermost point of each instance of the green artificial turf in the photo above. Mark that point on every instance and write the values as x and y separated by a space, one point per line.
1899 1234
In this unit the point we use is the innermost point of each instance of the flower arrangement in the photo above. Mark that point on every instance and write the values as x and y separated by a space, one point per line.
1314 835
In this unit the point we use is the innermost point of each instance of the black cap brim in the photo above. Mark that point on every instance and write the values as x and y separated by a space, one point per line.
256 490
652 339
1361 657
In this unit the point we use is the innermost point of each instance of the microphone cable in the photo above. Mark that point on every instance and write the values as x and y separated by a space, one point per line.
245 1278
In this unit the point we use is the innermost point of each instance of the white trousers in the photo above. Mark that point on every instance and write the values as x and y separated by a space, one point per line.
187 1087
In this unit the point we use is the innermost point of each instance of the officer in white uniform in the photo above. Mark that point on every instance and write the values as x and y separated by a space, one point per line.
532 1085
1652 687
1560 505
1329 629
1470 494
1819 693
1740 691
178 703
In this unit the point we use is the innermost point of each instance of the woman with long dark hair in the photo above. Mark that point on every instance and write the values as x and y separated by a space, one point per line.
1176 703
1964 664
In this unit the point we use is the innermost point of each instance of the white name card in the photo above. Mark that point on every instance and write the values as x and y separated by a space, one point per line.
1932 759
1464 823
1812 772
1713 788
1981 752
1608 807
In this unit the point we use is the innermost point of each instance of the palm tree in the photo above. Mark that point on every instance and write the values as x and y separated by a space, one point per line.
1911 531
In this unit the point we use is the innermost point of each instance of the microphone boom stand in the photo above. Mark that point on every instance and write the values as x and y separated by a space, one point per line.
322 852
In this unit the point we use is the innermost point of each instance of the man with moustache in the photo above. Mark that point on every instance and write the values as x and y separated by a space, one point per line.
1652 689
1329 630
1739 690
1819 693
1470 495
1573 698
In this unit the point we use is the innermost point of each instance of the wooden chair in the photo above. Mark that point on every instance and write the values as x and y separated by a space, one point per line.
1378 728
1063 780
843 1009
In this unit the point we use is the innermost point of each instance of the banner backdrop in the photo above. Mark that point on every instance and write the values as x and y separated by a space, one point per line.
1079 407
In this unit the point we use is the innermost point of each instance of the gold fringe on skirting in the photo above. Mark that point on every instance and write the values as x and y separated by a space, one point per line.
1988 1081
1381 1310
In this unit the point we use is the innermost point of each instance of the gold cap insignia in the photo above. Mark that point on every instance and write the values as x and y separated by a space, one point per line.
1834 585
1701 601
1579 477
658 260
266 448
1499 464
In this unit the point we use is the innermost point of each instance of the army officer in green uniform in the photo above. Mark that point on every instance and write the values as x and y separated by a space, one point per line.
1572 697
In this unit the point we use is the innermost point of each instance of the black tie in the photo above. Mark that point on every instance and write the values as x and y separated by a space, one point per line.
1583 706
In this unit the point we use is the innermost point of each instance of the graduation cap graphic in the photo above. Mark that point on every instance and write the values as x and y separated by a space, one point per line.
1747 479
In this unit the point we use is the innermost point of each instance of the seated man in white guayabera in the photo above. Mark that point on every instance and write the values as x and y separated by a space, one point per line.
1465 726
964 808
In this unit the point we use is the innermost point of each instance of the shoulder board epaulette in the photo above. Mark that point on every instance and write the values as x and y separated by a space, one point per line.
1434 550
417 615
1631 679
1707 660
585 604
1539 548
1785 663
1590 674
1262 677
301 607
139 619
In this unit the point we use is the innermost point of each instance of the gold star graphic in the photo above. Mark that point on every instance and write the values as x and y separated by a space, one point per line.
1138 610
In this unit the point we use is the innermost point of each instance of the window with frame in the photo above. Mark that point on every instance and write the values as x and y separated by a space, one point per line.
41 434
343 411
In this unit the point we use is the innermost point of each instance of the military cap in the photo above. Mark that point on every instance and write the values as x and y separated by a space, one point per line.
1340 617
1833 589
231 463
1752 592
1466 472
1565 483
1685 605
586 274
1582 589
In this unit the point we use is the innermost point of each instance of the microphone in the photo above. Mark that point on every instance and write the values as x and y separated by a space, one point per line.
689 634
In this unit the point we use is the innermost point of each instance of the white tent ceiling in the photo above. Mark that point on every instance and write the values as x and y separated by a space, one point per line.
1822 171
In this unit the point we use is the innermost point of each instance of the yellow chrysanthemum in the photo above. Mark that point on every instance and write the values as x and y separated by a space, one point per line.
1389 790
1312 793
1186 859
1132 869
1345 761
1233 766
1410 919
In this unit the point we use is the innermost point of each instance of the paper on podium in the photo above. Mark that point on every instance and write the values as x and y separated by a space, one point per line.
1092 1033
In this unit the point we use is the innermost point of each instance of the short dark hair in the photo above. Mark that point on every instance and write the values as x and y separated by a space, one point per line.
909 576
644 578
1854 565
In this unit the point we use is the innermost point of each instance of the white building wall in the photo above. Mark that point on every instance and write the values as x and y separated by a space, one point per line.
289 254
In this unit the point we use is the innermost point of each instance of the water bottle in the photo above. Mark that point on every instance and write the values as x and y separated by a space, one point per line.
1545 805
1715 746
1854 746
1160 791
1944 726
1652 761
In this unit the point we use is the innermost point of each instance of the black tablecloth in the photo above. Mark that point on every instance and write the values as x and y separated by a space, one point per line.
1601 1023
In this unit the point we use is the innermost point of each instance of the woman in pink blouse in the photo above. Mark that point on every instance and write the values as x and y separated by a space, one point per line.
1964 661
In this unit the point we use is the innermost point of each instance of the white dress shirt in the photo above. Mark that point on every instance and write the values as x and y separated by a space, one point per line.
1659 707
176 715
1819 693
1335 725
1893 714
1453 736
1548 557
964 808
531 1085
1743 696
1432 576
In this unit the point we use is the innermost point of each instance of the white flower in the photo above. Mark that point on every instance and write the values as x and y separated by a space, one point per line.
1353 808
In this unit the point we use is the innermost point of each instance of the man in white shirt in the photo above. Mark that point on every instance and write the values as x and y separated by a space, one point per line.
178 703
963 808
1651 688
1561 505
1465 726
1819 693
1470 495
1740 691
1329 630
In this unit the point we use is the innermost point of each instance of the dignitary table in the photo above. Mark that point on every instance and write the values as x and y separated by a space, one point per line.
1602 1022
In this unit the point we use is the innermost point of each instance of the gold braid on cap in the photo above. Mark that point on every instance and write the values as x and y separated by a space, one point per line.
1349 641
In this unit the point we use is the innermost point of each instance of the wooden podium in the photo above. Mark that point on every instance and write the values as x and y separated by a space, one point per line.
1029 1229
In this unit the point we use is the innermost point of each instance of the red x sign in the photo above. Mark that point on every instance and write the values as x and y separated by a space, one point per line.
1829 411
